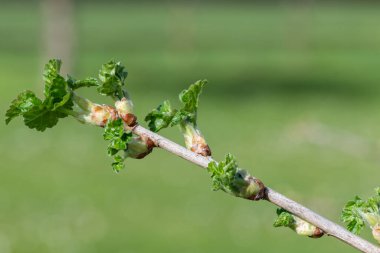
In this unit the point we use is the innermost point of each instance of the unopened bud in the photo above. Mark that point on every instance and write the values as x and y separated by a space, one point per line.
194 140
139 147
99 115
373 219
247 186
124 108
304 228
376 232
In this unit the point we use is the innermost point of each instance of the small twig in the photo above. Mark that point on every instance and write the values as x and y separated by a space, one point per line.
272 196
119 121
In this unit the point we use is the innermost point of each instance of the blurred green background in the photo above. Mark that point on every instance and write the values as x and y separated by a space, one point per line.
293 92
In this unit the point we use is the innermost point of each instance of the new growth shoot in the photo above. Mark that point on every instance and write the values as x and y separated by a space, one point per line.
61 100
301 227
358 213
127 138
226 176
186 117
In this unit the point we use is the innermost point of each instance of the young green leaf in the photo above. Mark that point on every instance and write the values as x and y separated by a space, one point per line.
51 71
358 212
36 114
284 219
58 102
223 174
22 104
39 114
115 133
76 84
112 76
40 118
163 116
190 99
118 163
186 117
57 94
226 176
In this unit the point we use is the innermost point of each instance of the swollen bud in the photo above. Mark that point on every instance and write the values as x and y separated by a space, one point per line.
100 114
139 147
92 113
124 108
304 228
194 139
226 176
246 186
376 233
301 227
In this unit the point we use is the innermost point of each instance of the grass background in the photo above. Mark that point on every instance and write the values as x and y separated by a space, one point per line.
293 93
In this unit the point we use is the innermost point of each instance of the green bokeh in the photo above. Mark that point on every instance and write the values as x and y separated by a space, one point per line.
293 93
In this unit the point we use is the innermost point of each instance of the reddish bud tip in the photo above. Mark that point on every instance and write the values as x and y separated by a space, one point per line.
261 191
318 233
129 119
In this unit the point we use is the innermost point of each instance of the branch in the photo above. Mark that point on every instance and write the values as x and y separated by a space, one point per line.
329 227
125 136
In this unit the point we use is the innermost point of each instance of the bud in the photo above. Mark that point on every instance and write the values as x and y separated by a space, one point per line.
139 147
373 219
304 228
124 108
194 139
247 186
99 115
82 103
301 227
92 113
376 232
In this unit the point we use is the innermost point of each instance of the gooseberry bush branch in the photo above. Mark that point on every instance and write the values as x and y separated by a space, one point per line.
128 139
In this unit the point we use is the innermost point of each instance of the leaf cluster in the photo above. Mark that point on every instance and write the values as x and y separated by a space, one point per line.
357 212
118 138
165 116
41 114
223 174
112 76
58 102
284 219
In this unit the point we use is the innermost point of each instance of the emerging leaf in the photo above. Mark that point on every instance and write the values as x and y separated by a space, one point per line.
51 71
226 176
118 163
76 84
351 215
186 117
22 104
190 98
112 76
40 118
284 219
223 173
115 133
358 212
301 227
58 103
163 116
57 92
